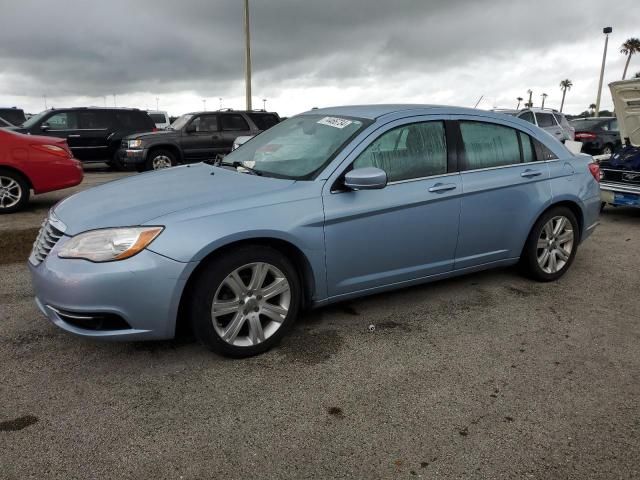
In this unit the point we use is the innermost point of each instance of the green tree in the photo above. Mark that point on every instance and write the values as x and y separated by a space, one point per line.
631 46
565 85
592 109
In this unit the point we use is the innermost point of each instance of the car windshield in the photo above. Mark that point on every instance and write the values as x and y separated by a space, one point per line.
181 121
586 124
34 120
298 148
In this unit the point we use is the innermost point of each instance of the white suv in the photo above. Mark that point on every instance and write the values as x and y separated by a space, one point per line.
550 120
160 118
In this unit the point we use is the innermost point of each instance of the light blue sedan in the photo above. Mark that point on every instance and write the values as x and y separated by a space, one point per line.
329 205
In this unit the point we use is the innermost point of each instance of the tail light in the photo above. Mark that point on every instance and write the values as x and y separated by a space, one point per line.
52 150
585 136
594 168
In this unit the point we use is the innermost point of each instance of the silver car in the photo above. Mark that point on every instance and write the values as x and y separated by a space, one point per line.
550 120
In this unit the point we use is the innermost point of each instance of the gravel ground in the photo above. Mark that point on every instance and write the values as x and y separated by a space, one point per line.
484 376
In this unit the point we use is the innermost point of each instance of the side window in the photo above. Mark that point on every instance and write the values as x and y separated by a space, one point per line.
528 116
206 123
613 125
489 145
234 122
542 152
410 151
528 154
263 121
545 120
62 121
94 120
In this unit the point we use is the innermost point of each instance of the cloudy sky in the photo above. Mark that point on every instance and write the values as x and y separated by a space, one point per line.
309 53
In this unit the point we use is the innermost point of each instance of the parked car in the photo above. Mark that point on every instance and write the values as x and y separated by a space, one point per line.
328 205
93 134
599 136
550 120
193 137
621 173
4 123
30 162
160 118
13 115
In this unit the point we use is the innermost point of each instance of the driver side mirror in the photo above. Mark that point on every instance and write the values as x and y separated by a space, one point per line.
191 128
45 126
367 178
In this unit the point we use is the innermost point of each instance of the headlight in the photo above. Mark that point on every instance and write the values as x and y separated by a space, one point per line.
134 144
109 244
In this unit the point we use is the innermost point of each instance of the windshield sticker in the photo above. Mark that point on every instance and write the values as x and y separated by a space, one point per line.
335 122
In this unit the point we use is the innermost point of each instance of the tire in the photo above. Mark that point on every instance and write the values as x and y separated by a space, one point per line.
14 191
607 149
160 159
116 164
248 312
533 261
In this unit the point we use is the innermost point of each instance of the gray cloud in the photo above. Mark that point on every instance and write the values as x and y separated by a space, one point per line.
79 48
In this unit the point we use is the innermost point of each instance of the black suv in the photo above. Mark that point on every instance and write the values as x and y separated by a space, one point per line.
93 134
13 115
193 137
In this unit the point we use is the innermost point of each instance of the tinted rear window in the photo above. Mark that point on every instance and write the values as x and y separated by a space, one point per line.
13 115
545 120
233 122
135 120
528 116
264 121
158 117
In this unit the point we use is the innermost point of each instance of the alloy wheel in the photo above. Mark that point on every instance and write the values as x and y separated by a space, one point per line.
555 244
10 192
160 162
251 304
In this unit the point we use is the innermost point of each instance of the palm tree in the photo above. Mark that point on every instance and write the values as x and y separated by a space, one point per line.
544 97
592 107
629 47
565 85
520 98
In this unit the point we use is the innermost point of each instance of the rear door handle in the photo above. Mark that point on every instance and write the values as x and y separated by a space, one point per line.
530 173
442 187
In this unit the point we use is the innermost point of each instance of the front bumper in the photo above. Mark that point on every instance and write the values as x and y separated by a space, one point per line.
132 156
144 291
620 194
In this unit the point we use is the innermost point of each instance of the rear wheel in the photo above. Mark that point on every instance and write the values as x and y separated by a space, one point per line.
244 302
116 163
160 159
14 191
552 245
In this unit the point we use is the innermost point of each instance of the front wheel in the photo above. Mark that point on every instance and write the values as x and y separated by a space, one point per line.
245 301
552 245
14 192
160 159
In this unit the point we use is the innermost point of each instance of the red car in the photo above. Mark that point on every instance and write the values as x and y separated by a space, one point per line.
30 162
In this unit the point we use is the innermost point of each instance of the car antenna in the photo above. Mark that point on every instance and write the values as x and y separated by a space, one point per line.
479 100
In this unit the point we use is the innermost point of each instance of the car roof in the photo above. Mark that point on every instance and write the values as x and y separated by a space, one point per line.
96 108
373 112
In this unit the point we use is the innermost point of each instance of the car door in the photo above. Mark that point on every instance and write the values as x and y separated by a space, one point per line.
405 231
201 137
233 125
94 129
63 124
505 186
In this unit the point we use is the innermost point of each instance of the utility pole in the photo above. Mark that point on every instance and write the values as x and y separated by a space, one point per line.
264 104
220 98
204 104
606 31
157 103
247 55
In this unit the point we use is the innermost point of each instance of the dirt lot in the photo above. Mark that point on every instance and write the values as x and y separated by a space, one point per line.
486 376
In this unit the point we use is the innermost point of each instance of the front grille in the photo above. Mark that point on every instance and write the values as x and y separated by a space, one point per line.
47 238
623 176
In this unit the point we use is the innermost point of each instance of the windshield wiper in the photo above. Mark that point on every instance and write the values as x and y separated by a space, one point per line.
219 162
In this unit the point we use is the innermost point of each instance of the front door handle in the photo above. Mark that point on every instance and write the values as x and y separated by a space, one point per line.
73 136
530 173
442 187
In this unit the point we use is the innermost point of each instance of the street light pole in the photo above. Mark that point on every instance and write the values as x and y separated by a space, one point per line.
264 104
247 56
606 31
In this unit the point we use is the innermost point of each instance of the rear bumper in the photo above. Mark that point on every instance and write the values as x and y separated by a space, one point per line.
620 194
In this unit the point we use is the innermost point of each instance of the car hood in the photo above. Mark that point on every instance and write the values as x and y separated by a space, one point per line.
147 197
159 133
626 100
